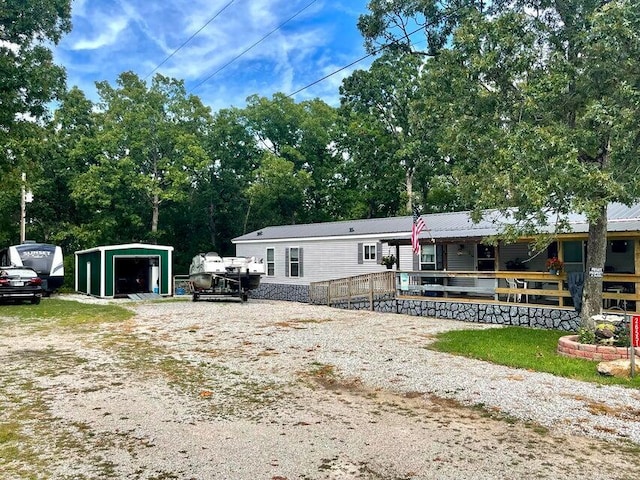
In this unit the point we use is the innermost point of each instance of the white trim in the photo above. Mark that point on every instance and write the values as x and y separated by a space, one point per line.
288 266
126 245
334 237
103 273
113 269
375 258
266 261
75 277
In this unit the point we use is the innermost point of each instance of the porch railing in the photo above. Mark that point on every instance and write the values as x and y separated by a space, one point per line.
537 288
352 288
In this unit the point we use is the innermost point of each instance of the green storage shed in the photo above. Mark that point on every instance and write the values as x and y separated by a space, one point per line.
121 270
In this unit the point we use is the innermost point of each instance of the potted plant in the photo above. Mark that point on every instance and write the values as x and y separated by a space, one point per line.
388 260
516 265
554 265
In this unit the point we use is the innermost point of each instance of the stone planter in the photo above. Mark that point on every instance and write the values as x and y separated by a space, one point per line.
568 346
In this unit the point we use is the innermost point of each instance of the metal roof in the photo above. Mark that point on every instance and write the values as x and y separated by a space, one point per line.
450 226
123 247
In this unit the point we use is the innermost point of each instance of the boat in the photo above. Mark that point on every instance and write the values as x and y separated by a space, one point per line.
211 274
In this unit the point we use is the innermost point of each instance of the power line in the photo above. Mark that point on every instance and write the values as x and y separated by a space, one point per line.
252 46
190 38
375 52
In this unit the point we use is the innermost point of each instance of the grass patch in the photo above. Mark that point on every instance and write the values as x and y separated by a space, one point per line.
519 347
66 313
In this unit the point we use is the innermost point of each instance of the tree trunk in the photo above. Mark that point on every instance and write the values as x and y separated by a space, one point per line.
155 214
596 256
409 180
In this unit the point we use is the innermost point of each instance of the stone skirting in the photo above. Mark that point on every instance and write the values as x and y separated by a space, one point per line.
569 346
278 291
480 312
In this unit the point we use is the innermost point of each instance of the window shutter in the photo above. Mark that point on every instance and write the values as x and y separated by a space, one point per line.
416 261
360 253
286 262
300 262
378 252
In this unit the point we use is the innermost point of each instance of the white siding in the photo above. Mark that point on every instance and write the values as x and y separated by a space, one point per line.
322 259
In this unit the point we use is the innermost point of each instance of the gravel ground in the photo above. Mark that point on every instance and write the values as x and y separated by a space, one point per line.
283 391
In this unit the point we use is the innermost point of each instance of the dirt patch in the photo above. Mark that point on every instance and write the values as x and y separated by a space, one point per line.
240 391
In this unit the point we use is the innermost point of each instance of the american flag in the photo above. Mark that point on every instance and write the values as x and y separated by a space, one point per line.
417 226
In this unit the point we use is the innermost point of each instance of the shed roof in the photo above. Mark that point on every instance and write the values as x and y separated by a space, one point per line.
439 226
125 246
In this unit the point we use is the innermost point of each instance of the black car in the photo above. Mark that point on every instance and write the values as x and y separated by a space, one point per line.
20 283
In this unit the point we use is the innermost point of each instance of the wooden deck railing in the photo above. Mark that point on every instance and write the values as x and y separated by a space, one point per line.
620 290
351 288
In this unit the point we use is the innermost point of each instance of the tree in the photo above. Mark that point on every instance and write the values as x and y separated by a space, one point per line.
219 202
382 140
150 144
300 133
29 79
278 190
66 154
541 103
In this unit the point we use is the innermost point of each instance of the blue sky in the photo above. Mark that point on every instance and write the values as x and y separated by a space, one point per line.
113 36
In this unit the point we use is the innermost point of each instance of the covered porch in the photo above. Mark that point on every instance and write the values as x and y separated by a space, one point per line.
620 291
466 268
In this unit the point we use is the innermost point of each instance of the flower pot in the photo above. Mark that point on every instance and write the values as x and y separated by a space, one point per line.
389 266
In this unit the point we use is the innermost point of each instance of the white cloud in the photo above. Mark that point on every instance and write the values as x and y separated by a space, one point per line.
110 33
113 36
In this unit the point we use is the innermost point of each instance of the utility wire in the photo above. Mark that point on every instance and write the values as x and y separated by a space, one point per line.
375 52
190 38
252 46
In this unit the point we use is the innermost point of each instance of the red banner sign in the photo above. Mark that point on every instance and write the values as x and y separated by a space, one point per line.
635 330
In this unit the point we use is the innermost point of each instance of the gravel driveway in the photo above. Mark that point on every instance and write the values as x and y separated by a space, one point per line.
282 391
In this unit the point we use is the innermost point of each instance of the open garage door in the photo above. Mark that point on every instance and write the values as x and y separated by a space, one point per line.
137 274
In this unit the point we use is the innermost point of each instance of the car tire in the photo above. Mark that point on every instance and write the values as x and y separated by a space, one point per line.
35 301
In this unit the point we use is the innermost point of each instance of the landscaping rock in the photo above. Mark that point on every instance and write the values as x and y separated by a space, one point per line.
615 368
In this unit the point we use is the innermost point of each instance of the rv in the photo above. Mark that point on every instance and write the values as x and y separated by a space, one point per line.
44 258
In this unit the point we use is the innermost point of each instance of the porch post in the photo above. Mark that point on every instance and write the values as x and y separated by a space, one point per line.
636 270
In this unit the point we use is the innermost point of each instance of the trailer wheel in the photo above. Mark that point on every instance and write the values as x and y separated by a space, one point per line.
195 297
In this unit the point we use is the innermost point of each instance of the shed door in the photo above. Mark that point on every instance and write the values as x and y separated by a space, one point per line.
135 274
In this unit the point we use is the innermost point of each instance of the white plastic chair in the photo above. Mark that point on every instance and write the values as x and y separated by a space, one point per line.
515 283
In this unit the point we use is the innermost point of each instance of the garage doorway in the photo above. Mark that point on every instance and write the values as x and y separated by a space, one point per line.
136 274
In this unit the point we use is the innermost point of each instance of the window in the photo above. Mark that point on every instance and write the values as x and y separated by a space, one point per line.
294 262
428 257
573 256
486 256
369 252
271 262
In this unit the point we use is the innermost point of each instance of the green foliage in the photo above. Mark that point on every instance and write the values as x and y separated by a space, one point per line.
278 190
301 134
587 336
148 151
605 334
29 79
538 113
526 348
